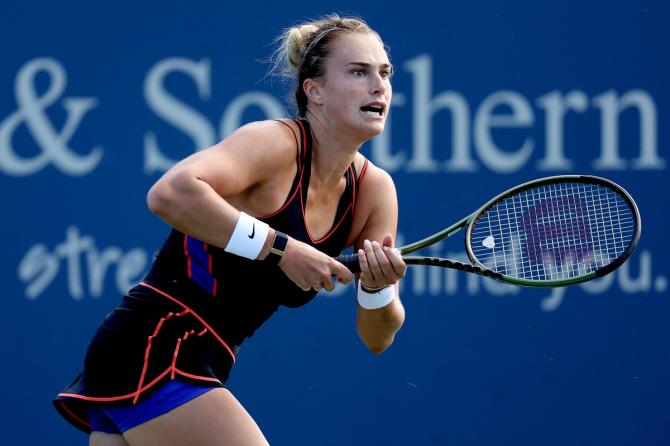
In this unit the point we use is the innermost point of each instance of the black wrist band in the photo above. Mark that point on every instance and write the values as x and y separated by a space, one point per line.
373 290
278 247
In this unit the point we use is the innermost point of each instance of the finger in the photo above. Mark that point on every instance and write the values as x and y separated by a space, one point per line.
388 274
342 280
373 263
394 256
398 264
344 275
388 241
299 285
365 276
327 282
329 286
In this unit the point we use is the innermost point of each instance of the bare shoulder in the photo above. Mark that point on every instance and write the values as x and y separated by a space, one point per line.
253 154
374 180
376 211
273 138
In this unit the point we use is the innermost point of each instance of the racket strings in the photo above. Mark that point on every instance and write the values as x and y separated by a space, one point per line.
554 231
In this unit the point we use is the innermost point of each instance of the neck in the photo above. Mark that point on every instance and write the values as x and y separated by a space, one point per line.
332 151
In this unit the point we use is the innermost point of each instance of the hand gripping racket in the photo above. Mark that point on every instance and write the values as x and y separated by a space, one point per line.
549 232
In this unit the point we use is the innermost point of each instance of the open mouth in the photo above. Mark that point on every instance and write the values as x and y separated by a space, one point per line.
373 110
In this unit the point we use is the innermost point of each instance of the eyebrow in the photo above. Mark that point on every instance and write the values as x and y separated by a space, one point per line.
388 66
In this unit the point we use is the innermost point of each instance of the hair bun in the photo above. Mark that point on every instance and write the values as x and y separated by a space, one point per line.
295 43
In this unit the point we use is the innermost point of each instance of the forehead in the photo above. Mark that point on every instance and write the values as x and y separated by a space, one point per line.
358 47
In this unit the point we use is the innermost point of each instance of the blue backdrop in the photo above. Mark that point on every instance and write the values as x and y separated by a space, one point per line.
97 101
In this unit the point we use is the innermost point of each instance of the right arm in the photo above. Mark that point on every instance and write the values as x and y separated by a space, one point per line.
193 195
203 195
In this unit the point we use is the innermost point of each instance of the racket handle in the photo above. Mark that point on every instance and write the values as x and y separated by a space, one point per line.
446 263
350 261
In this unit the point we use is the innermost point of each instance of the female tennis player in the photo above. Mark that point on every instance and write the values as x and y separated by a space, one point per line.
256 222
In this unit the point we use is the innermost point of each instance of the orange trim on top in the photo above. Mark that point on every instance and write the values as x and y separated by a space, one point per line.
302 203
195 315
354 192
301 167
334 228
337 225
357 181
363 170
295 138
303 133
285 205
344 214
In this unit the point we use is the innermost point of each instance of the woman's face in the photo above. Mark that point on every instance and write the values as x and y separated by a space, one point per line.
356 87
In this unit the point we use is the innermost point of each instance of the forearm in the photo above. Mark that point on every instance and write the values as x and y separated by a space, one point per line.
377 328
192 206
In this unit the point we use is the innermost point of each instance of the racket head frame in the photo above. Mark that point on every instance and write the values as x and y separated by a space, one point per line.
589 179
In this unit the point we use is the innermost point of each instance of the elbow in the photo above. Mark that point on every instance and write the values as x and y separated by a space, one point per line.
158 200
378 332
167 197
379 341
374 342
378 348
171 192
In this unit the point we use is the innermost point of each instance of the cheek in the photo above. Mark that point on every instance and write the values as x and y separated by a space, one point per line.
346 99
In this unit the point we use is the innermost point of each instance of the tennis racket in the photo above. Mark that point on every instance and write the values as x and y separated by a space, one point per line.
548 232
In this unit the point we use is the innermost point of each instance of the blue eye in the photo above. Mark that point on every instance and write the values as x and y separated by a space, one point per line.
358 73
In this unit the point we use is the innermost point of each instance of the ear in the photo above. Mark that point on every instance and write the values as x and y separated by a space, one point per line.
313 91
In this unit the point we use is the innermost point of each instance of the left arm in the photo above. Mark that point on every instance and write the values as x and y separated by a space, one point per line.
380 265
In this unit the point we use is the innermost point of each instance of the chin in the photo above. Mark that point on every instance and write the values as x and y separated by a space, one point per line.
367 129
372 126
375 129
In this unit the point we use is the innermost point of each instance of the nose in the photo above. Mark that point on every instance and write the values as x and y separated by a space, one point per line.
378 84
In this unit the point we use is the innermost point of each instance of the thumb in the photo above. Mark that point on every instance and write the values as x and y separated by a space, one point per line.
388 241
344 275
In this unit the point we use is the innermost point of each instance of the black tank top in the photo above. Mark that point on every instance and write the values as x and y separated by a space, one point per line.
245 293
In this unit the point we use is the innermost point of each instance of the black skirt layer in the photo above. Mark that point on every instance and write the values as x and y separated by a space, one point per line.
153 336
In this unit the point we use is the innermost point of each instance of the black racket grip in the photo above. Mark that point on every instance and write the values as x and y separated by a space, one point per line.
446 263
350 261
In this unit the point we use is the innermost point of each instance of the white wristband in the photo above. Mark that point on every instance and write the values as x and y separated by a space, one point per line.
248 237
372 301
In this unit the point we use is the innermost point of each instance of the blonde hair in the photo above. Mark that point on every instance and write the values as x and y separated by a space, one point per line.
302 50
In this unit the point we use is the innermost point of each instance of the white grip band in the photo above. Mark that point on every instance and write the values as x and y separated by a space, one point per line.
372 301
248 237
